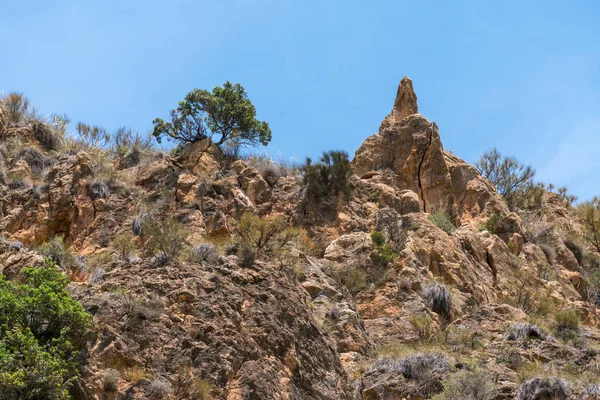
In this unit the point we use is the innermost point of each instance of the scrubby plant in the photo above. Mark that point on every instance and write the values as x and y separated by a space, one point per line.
589 211
224 115
468 384
442 221
353 278
139 222
128 146
204 252
567 322
574 245
439 299
56 250
423 324
99 190
92 136
16 108
491 225
330 176
34 159
110 380
265 235
167 240
159 389
427 369
544 388
124 244
50 136
522 332
512 179
381 257
15 245
41 329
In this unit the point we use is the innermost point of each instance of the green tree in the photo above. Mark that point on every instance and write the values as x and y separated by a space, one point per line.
41 327
512 179
225 115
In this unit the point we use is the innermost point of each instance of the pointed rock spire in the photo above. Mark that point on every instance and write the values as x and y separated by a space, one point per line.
406 100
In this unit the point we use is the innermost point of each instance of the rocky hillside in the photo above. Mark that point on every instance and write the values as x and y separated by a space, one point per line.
210 277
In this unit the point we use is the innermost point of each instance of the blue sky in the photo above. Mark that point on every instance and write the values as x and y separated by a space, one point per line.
521 76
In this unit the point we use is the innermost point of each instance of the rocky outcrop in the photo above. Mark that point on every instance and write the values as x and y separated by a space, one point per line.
409 146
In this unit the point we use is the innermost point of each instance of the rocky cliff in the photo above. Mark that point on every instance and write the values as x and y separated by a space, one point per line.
343 314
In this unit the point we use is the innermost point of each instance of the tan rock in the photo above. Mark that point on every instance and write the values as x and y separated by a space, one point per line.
406 100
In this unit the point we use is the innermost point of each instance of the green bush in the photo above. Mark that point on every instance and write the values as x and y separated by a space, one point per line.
442 221
41 328
589 211
329 176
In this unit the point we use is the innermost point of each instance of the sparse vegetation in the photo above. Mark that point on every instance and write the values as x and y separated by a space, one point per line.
57 252
442 221
265 235
354 279
544 388
439 299
589 211
166 241
124 244
523 332
512 179
226 112
567 323
329 177
99 190
204 252
468 384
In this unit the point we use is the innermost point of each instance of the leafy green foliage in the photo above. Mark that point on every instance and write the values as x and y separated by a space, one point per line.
442 221
226 112
381 257
511 178
329 176
41 327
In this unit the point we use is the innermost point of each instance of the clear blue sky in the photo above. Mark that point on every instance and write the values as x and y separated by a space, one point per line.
520 75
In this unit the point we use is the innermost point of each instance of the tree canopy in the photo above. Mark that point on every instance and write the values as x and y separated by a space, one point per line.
224 115
41 327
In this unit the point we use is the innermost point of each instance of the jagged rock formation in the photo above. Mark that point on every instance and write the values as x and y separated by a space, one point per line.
269 331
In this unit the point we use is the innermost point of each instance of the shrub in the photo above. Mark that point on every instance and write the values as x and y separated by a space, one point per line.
544 388
226 112
474 384
99 190
381 258
427 369
328 177
439 299
204 252
159 389
138 225
15 107
265 235
378 238
492 224
35 159
41 328
124 244
15 246
167 240
247 255
92 136
47 135
576 248
423 325
522 332
56 251
110 380
567 322
352 278
512 179
589 211
442 221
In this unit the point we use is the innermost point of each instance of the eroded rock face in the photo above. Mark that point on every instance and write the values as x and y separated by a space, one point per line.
410 147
